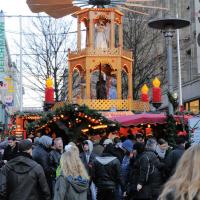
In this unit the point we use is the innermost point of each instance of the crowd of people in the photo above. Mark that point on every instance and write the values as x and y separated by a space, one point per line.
129 168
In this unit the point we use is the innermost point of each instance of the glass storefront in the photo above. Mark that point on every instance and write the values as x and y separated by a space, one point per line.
193 106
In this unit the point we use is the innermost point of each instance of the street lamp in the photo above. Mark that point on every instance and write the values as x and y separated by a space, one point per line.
168 25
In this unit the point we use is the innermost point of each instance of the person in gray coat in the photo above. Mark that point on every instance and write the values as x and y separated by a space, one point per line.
73 182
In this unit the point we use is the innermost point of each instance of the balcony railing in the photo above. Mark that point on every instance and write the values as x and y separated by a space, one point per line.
110 104
100 52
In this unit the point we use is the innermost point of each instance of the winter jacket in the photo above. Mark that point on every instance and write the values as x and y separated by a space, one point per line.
10 153
145 170
106 172
70 188
41 156
54 161
124 170
172 159
88 157
25 180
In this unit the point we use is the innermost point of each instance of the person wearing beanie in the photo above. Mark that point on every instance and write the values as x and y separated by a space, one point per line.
11 149
22 178
41 156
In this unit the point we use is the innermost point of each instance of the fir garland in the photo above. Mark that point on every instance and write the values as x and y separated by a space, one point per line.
70 113
171 134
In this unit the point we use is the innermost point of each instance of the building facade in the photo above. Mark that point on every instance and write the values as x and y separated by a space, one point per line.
189 53
9 80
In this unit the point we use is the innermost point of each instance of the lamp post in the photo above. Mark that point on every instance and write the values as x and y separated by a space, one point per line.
169 25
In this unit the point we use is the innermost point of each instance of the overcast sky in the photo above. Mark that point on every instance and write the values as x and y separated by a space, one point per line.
19 7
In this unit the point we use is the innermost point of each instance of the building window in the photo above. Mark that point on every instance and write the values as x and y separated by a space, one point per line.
194 106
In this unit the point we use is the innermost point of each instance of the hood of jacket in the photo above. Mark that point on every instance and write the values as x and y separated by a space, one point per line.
79 184
90 145
21 164
104 160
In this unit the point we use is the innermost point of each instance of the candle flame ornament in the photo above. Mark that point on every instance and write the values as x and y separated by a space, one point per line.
156 83
156 93
49 91
144 93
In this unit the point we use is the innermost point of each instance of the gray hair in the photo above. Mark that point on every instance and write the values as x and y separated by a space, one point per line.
57 139
151 144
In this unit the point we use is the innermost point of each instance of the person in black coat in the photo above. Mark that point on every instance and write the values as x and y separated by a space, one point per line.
54 159
146 178
11 149
22 178
87 156
41 156
174 156
106 174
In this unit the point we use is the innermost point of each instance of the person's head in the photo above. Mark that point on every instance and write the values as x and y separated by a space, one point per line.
151 144
116 140
139 138
87 146
127 145
132 137
180 140
186 180
58 144
71 165
108 149
38 134
163 144
138 148
46 141
12 141
106 142
25 146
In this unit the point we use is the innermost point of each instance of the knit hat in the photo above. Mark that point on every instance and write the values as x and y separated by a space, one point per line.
68 147
107 141
24 145
46 141
128 145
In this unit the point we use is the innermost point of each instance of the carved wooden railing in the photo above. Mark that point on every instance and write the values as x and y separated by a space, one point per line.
110 104
100 52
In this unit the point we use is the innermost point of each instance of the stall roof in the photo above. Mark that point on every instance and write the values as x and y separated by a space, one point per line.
147 118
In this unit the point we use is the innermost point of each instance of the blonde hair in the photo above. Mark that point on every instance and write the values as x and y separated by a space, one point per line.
185 183
71 164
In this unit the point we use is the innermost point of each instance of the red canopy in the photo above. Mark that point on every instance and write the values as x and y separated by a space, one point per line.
147 118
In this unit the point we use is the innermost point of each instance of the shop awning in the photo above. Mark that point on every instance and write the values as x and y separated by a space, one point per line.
147 118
